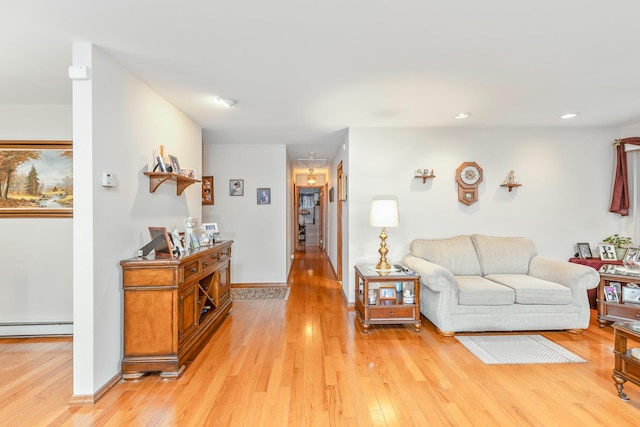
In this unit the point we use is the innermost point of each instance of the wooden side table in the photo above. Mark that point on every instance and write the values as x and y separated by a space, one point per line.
612 311
388 308
626 367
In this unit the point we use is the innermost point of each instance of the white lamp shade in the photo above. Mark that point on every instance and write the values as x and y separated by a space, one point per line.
384 213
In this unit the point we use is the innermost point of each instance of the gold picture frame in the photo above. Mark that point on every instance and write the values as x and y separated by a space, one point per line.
36 179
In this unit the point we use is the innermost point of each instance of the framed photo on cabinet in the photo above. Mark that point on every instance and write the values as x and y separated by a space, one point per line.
207 190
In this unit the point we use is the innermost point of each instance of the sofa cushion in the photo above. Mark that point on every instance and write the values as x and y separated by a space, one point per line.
504 254
476 290
531 290
456 254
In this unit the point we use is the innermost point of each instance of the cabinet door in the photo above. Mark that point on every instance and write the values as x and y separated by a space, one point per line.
187 311
225 279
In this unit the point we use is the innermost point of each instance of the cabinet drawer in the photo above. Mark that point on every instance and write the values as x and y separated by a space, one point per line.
624 311
209 260
391 312
190 269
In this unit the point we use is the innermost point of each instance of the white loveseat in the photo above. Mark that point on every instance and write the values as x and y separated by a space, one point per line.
485 283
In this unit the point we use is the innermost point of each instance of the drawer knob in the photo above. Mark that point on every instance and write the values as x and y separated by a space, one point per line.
637 315
193 270
206 264
392 314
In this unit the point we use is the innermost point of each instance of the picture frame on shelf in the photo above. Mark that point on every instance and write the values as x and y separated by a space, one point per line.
175 165
207 190
387 293
584 250
607 252
236 187
161 166
189 173
631 295
617 286
264 196
610 294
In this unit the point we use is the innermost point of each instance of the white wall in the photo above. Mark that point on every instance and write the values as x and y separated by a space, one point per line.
259 232
566 177
36 287
118 122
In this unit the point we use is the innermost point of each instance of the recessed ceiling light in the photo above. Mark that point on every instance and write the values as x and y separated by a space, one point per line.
569 115
227 102
461 115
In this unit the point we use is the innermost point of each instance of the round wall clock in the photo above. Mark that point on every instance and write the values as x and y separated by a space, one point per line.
468 177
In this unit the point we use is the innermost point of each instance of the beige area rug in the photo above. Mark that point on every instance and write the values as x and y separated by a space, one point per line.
260 294
517 349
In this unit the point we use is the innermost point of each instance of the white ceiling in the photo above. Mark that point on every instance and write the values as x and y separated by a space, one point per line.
303 71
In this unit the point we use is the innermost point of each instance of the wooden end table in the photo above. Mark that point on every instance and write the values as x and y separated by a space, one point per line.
389 307
616 311
626 367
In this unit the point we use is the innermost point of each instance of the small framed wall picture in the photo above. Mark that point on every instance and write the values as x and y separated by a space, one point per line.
607 252
387 293
236 187
610 294
174 164
584 250
264 196
207 190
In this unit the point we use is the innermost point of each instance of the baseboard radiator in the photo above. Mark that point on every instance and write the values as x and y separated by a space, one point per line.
35 329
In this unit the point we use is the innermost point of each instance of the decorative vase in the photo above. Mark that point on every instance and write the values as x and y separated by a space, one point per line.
620 253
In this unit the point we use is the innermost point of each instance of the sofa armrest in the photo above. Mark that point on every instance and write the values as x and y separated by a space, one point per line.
434 276
575 276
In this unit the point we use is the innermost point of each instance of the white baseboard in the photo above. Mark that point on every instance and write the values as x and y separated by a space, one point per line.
30 329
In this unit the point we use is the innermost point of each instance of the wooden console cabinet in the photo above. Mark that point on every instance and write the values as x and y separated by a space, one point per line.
171 308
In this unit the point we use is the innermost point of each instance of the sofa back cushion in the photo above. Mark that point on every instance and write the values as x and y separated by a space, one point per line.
504 255
456 254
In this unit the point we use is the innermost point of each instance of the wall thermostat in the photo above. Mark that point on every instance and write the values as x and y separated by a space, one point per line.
109 180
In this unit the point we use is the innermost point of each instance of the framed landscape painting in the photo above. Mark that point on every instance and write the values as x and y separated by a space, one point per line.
36 179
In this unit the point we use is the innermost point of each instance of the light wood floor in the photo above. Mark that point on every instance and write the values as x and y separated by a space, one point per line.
306 362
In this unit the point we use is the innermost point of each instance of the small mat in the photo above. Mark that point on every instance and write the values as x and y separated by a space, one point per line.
259 294
517 349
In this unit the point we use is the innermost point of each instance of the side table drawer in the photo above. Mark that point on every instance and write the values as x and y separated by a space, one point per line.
622 311
391 312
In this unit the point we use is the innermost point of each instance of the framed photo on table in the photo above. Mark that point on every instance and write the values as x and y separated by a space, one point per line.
631 257
607 252
584 250
631 295
610 294
387 293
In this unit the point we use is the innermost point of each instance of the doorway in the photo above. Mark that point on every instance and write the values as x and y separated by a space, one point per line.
310 215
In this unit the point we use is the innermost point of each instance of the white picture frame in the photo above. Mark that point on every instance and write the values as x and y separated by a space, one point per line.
630 295
607 252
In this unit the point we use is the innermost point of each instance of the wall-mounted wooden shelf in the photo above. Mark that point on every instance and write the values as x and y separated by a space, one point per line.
510 186
157 178
425 177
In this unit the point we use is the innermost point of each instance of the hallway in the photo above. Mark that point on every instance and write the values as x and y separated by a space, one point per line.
305 361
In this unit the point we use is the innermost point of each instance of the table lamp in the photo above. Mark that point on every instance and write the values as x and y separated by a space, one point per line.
384 213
